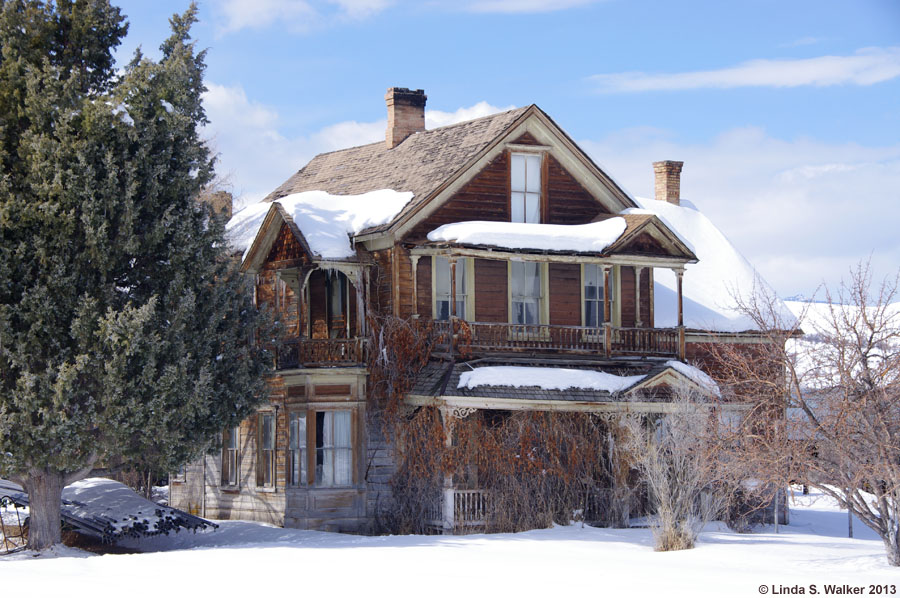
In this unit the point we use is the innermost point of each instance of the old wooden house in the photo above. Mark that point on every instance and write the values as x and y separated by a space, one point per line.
499 226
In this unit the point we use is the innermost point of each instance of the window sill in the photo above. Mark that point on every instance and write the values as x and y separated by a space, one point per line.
230 489
266 489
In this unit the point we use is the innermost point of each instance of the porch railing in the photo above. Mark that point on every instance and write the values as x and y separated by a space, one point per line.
490 336
302 352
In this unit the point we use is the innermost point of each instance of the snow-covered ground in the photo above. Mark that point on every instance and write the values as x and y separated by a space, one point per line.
242 557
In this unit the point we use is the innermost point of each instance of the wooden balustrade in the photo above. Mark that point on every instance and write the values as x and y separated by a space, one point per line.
470 508
303 352
490 336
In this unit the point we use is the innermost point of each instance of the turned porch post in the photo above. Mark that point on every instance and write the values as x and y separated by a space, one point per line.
607 313
414 259
447 510
452 261
638 272
679 277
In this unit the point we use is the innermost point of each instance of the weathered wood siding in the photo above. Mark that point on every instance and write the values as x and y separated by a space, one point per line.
567 202
306 507
491 291
485 197
626 286
565 294
423 287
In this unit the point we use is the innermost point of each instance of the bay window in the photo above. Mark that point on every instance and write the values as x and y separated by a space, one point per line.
265 466
296 454
334 448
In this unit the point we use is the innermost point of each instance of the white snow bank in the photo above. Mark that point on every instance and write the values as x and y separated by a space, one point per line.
813 549
545 378
711 285
326 220
583 238
696 375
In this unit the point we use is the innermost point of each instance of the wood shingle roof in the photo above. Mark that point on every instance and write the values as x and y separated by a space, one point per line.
421 163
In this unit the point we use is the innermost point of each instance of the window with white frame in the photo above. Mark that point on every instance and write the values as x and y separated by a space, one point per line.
526 292
296 450
594 293
442 288
525 188
231 448
334 448
265 467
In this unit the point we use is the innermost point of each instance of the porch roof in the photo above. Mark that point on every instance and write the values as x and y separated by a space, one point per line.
439 380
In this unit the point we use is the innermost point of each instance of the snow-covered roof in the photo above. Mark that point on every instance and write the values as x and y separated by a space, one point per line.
709 286
553 378
327 221
581 238
546 378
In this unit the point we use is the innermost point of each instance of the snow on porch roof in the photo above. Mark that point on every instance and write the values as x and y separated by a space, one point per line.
327 221
710 285
580 238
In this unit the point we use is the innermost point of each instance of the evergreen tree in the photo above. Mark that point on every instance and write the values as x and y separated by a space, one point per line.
124 325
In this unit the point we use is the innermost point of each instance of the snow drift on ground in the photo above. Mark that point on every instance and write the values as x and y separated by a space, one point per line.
709 286
582 238
546 378
244 558
326 220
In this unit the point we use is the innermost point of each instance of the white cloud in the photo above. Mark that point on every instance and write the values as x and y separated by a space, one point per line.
358 9
437 118
802 211
524 6
257 14
293 15
255 156
866 67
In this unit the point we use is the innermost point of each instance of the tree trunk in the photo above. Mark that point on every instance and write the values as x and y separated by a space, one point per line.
892 545
44 495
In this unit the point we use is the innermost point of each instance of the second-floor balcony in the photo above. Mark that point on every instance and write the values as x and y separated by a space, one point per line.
483 337
297 353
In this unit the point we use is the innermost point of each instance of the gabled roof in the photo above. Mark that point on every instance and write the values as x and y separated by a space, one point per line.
421 163
425 162
276 218
443 380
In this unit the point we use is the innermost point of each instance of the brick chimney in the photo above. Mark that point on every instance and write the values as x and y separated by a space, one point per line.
667 176
406 113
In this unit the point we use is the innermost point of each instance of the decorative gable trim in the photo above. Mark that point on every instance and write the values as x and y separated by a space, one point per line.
673 379
276 219
650 228
535 123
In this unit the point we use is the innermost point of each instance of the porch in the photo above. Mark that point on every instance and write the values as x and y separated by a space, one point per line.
610 341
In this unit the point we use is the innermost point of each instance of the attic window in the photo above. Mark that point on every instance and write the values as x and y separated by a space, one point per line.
525 188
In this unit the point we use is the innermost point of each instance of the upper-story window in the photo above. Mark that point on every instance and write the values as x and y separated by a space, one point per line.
526 292
442 288
594 294
525 188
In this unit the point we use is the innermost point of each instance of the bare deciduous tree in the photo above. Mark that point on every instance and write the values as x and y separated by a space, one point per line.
828 402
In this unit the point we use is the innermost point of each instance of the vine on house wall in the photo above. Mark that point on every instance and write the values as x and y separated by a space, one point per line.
536 467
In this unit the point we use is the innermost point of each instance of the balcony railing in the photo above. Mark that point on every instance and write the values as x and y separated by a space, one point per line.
490 336
295 353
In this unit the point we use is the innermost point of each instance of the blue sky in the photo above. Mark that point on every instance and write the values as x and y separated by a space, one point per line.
787 114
